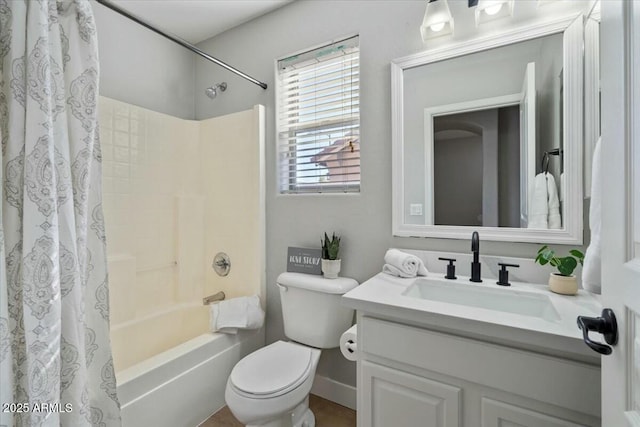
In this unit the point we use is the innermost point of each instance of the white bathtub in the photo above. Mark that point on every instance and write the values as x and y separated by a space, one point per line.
183 386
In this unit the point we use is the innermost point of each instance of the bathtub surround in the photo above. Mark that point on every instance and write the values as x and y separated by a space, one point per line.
54 307
176 193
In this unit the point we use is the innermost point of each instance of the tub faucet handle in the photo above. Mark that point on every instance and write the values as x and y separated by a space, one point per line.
221 264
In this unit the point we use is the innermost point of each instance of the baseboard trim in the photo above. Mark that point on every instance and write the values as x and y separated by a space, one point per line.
340 393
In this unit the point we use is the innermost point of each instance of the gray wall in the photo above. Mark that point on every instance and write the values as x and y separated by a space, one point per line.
458 182
457 174
142 68
509 166
388 30
548 107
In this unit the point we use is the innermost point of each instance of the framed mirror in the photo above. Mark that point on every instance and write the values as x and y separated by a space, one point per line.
488 136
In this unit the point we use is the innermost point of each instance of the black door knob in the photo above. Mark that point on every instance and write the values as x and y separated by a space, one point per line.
605 325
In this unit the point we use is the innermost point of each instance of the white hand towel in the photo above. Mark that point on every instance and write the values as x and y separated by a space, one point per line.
554 219
406 265
237 313
395 271
538 206
591 271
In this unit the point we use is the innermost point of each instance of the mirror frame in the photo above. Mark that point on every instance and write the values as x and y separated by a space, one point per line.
572 28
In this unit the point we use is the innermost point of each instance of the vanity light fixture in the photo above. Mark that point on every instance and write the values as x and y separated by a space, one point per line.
488 10
437 20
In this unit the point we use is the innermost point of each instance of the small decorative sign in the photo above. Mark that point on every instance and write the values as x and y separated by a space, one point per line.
304 260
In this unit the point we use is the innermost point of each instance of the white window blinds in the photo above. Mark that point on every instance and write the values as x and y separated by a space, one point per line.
319 120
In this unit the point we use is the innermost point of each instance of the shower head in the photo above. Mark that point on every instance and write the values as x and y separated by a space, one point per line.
212 91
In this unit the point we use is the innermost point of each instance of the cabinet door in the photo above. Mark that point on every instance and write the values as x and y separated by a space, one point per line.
500 414
390 397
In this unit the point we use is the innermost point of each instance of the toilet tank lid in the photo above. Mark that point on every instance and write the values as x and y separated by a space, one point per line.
340 286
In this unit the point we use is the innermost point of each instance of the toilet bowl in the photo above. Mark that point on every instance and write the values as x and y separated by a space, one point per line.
270 387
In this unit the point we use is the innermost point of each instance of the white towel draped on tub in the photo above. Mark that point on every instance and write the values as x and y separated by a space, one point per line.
236 313
591 272
402 264
544 211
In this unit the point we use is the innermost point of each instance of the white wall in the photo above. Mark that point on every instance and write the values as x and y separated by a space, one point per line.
142 68
388 30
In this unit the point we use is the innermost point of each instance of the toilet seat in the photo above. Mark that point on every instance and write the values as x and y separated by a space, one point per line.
272 371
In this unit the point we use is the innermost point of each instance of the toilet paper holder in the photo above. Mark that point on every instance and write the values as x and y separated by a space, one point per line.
349 344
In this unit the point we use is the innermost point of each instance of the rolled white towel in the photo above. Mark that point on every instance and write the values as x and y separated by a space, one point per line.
395 271
237 313
405 265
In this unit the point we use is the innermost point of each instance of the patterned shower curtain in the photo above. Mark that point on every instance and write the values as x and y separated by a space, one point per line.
55 357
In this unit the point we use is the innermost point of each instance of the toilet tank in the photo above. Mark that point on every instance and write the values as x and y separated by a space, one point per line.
311 307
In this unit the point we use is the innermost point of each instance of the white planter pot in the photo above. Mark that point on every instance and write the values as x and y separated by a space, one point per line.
565 285
330 268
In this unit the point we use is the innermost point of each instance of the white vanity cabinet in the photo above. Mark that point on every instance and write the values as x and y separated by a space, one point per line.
413 375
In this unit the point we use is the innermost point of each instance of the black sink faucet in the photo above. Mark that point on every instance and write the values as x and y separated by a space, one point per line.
475 265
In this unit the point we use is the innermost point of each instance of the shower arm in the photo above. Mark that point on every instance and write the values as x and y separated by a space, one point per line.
181 42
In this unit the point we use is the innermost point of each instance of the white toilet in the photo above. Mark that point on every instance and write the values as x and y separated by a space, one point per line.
270 387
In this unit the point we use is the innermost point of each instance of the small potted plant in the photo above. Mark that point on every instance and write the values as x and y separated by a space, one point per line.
330 252
564 281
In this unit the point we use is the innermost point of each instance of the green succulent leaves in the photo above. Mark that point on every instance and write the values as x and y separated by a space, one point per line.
330 247
565 265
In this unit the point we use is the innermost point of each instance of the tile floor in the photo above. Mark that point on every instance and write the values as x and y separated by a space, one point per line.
328 414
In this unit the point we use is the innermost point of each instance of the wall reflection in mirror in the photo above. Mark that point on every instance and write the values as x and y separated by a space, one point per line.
483 138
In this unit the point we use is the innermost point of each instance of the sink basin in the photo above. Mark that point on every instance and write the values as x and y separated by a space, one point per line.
502 300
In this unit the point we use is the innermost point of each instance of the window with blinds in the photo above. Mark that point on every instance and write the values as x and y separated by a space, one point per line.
319 119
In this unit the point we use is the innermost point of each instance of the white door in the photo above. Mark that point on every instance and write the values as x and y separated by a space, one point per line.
527 139
620 49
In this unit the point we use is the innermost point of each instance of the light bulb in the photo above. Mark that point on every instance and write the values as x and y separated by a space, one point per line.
492 10
437 27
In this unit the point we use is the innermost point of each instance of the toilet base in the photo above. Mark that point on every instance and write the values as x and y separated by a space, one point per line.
301 416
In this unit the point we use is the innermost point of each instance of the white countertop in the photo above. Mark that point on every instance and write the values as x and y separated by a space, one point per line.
382 296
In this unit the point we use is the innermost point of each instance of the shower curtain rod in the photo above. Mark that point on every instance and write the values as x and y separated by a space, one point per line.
181 42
